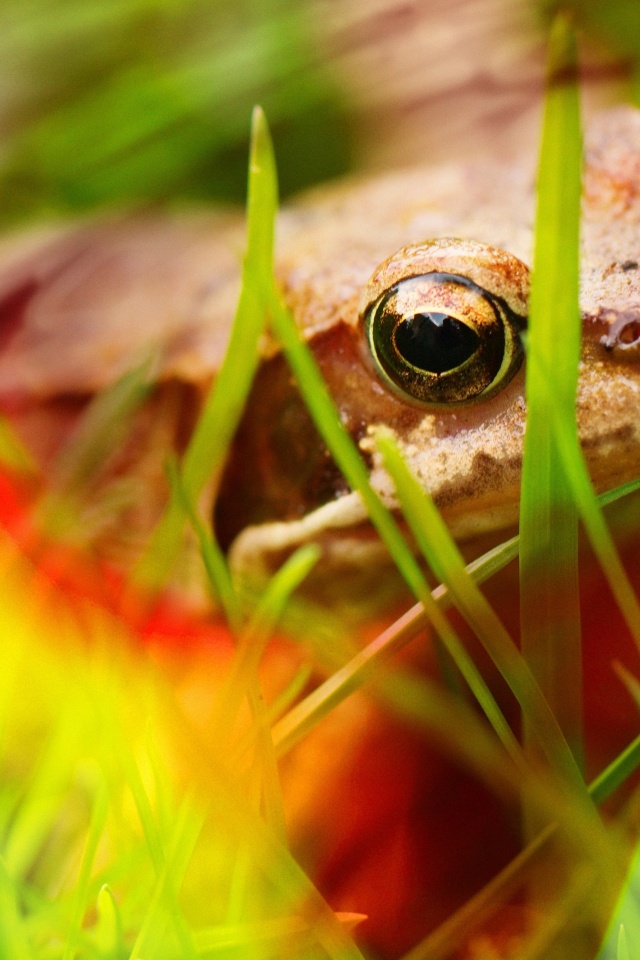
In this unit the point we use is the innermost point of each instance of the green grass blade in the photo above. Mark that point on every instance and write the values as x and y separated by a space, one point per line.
108 931
274 938
81 892
549 600
267 780
289 694
42 799
212 556
618 771
441 943
131 771
618 492
327 420
623 936
13 933
366 663
252 640
297 723
145 102
276 594
630 681
103 429
442 554
595 525
622 947
293 726
221 413
163 907
13 454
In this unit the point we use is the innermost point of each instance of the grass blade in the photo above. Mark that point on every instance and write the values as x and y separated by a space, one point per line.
622 950
327 420
367 662
624 930
13 933
442 554
222 410
81 892
441 943
599 536
243 672
108 930
103 429
212 556
13 454
549 604
618 771
163 906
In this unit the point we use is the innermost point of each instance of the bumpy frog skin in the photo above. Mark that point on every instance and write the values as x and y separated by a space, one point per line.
81 305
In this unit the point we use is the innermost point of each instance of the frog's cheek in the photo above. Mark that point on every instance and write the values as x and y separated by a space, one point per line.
349 544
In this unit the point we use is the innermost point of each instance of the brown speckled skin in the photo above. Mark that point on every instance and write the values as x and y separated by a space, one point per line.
468 457
79 306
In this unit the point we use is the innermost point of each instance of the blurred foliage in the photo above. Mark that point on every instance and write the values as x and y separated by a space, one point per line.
614 23
138 101
123 101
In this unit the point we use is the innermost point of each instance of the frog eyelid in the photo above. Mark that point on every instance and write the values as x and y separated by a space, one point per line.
439 337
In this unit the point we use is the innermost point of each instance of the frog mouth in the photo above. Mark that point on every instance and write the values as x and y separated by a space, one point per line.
278 469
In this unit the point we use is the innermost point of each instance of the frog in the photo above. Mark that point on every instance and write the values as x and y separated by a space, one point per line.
447 248
410 288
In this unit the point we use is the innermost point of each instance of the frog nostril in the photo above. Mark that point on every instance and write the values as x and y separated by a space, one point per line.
630 333
623 337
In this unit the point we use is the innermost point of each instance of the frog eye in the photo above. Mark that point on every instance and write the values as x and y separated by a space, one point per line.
439 337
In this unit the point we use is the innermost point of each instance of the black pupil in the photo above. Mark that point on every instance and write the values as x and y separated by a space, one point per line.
435 342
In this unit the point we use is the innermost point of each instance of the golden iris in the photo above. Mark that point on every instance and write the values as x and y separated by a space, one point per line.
439 338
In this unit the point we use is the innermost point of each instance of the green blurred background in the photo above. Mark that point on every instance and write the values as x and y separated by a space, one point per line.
125 102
